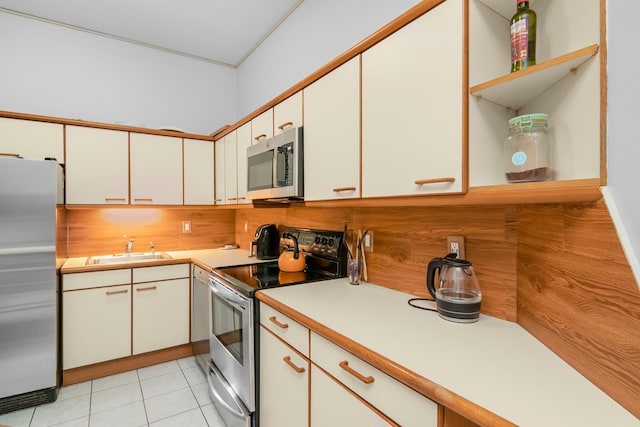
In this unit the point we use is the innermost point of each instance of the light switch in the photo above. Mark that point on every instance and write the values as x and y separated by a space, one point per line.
186 226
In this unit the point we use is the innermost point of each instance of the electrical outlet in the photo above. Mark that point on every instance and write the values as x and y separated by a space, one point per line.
455 244
186 226
368 241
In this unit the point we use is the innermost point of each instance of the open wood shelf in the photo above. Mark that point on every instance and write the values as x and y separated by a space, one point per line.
516 89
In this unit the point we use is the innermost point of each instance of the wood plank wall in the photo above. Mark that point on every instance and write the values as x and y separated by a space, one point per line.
100 231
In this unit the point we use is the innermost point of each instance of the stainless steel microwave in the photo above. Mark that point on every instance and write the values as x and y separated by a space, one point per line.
275 167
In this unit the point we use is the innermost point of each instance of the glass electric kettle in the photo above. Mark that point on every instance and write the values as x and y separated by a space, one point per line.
457 292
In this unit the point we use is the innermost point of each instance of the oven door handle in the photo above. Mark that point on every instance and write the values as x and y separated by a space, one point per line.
240 410
230 297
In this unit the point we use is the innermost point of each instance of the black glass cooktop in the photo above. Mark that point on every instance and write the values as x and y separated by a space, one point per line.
250 278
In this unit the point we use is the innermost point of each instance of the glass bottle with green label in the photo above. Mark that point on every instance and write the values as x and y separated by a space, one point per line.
523 37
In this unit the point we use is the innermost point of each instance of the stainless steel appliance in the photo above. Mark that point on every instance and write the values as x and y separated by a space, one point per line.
275 167
232 369
266 242
29 286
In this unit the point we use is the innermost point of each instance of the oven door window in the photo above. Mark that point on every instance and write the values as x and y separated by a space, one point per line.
260 171
226 326
284 165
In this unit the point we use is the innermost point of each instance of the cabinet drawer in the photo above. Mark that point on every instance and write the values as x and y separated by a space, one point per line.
95 279
397 401
286 328
163 272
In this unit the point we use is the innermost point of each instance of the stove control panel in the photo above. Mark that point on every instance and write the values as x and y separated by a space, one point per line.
323 243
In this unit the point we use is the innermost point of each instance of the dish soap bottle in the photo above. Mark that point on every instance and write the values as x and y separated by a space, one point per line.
523 37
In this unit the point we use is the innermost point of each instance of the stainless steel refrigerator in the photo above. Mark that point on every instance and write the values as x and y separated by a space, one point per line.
30 191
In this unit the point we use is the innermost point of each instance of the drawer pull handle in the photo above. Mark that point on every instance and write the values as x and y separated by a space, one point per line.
341 189
114 199
284 125
345 365
123 291
434 180
288 361
232 198
143 199
279 324
150 288
262 135
16 155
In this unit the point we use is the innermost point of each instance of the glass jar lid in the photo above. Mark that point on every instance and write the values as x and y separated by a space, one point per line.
534 119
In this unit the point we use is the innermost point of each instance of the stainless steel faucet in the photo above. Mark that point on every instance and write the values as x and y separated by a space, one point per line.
128 245
152 247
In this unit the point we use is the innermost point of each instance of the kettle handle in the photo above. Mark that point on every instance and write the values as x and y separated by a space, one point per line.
434 265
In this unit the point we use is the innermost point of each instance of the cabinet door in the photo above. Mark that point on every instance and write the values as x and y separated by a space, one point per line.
96 325
243 141
230 169
262 126
198 172
332 134
412 109
288 113
284 384
31 139
221 194
160 315
332 405
156 169
97 169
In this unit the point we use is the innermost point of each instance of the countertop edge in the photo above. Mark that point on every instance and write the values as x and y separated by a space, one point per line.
411 379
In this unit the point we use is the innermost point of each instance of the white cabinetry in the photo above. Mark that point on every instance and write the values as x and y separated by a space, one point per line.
243 141
96 317
198 172
156 169
565 84
344 390
220 171
99 313
97 170
288 113
262 126
332 134
412 107
230 168
160 307
32 139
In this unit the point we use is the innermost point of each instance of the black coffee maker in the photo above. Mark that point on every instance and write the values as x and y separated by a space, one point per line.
266 244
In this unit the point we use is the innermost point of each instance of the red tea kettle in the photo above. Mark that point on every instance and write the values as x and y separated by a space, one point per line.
457 292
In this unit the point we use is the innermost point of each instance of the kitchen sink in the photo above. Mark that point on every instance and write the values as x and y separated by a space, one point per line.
127 258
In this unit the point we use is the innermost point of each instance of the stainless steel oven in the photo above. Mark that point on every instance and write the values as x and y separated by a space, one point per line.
232 369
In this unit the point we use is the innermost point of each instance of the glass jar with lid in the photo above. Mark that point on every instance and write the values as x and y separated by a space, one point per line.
528 149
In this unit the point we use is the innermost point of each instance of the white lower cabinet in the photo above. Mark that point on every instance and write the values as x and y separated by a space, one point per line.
284 383
333 405
105 316
96 317
329 387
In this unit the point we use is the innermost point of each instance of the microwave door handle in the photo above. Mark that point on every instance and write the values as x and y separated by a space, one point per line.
240 411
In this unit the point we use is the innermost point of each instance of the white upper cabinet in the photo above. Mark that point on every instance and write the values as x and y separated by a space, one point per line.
220 171
230 168
97 169
288 113
243 141
332 134
564 84
156 169
412 107
198 172
262 126
31 139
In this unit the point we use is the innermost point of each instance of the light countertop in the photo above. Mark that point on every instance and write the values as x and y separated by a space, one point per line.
494 364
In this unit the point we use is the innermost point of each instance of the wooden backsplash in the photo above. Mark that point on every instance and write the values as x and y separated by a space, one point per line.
557 270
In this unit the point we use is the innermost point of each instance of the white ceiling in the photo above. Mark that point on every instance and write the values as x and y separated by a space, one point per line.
220 31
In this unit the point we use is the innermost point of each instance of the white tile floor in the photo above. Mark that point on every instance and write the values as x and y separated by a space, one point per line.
168 394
